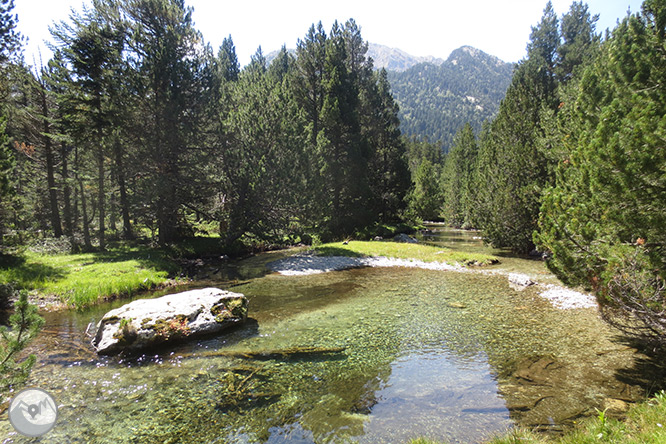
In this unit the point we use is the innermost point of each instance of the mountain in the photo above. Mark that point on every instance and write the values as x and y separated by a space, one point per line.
437 100
437 97
394 59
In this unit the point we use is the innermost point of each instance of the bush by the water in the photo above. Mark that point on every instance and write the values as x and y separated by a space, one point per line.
24 325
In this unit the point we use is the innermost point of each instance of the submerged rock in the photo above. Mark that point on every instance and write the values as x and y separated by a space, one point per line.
145 323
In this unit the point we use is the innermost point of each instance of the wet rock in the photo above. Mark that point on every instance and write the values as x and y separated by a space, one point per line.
613 405
402 237
520 280
146 323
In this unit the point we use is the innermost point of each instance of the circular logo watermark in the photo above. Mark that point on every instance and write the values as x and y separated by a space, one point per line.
33 412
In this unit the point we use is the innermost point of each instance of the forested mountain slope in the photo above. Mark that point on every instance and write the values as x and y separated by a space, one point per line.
436 101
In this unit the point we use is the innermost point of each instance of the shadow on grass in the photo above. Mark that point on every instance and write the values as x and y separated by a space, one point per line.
337 251
83 278
147 257
15 269
161 258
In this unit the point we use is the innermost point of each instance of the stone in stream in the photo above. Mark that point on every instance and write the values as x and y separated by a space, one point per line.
520 280
145 323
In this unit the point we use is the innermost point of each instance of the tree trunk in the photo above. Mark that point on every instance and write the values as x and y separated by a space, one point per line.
124 202
50 173
100 194
84 211
67 211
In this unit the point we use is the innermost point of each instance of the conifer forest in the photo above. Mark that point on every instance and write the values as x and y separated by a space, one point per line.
137 130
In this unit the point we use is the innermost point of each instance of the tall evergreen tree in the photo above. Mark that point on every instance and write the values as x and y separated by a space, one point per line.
389 175
94 42
311 57
516 153
544 41
511 166
6 171
281 65
9 45
227 60
166 53
261 163
10 39
425 200
342 155
457 179
579 40
604 219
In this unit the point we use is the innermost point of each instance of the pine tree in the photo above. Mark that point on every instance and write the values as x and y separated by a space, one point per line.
7 163
311 57
10 39
389 175
511 168
604 219
171 82
425 201
579 41
518 152
9 45
262 160
342 158
94 42
281 65
227 62
457 180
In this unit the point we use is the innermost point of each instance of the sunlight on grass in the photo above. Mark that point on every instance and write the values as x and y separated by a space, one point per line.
84 279
425 253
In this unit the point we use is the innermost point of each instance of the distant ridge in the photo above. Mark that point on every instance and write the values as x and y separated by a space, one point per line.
393 59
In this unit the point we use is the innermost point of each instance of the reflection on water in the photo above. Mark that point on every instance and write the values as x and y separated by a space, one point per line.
450 356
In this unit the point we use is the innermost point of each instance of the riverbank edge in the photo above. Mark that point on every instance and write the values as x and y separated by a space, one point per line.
355 254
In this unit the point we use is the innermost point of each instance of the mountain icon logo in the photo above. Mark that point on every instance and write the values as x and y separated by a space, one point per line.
33 412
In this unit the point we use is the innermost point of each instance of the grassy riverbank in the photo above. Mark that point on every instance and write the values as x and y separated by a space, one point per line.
83 279
425 253
644 423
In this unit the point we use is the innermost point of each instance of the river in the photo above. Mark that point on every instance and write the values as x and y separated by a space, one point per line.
455 357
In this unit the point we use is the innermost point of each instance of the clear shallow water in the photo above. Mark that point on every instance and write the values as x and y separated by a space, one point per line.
450 356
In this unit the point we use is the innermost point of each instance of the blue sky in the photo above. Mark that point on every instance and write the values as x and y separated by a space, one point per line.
421 28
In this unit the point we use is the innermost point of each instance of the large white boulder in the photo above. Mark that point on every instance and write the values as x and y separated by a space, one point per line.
145 323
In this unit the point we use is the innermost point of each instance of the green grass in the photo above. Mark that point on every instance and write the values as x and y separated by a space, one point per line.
83 279
425 253
645 423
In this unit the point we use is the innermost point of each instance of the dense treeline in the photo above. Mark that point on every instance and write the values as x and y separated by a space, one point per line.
137 127
574 162
497 182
